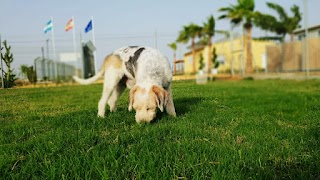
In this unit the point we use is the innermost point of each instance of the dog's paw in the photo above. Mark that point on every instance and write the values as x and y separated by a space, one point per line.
113 109
100 115
173 113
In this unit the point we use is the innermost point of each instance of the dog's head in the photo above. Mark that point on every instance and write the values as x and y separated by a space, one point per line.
145 101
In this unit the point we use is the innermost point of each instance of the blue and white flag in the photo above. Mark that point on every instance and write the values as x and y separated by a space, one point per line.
88 27
48 27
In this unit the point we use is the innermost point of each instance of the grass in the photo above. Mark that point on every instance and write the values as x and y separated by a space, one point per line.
266 129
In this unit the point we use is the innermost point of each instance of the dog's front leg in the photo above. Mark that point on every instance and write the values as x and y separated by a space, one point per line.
170 105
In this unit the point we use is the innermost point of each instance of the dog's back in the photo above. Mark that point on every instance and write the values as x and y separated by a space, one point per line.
145 64
141 64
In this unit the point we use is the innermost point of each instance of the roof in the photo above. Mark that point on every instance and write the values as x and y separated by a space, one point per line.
197 46
309 29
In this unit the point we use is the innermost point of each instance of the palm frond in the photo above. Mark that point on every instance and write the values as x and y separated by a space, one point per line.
280 10
226 33
173 46
271 38
208 26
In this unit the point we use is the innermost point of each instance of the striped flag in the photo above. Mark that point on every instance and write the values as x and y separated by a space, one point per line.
69 25
48 27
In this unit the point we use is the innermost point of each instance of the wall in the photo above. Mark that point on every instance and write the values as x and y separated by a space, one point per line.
234 55
292 58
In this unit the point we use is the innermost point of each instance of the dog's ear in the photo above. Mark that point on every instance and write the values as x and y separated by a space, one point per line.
132 91
161 96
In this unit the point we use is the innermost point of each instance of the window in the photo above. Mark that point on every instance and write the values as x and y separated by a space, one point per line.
221 59
264 60
301 37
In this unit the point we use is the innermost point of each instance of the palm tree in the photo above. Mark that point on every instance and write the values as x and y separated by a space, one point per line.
285 24
173 46
188 33
243 11
294 21
208 32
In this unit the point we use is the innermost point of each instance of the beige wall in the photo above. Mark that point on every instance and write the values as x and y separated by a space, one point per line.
233 53
293 57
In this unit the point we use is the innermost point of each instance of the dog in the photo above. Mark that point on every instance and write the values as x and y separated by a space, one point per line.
146 72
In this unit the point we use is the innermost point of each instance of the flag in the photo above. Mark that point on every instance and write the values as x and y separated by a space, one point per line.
69 25
48 27
88 27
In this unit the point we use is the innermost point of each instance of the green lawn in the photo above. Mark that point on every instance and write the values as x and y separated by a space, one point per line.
266 129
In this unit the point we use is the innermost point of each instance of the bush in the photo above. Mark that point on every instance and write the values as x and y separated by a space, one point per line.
214 59
201 63
32 75
7 58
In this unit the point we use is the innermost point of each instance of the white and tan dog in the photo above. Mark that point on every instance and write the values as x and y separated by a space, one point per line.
143 70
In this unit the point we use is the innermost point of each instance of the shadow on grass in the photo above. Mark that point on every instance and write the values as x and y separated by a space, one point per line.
182 106
185 104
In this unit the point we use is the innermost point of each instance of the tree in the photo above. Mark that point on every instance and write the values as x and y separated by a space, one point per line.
173 46
214 59
201 63
243 11
208 32
24 70
7 57
188 33
283 25
32 75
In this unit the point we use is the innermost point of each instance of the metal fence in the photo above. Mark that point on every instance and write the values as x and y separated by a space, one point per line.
48 70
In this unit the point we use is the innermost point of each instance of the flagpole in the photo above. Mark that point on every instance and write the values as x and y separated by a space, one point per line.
54 51
94 43
81 57
74 44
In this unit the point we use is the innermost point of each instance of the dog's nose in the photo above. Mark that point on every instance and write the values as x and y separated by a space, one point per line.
143 119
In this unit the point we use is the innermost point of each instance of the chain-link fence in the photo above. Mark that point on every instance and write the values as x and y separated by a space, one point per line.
48 70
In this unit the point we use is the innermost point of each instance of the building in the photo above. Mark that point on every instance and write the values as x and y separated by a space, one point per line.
313 32
88 59
231 55
291 56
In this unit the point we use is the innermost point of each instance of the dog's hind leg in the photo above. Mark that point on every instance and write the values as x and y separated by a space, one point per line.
112 102
111 79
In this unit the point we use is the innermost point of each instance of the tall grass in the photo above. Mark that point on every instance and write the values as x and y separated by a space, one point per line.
223 130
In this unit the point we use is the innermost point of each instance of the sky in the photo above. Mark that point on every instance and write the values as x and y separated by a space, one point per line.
117 23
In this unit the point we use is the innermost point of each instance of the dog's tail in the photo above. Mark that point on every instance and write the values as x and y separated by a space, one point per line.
90 80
